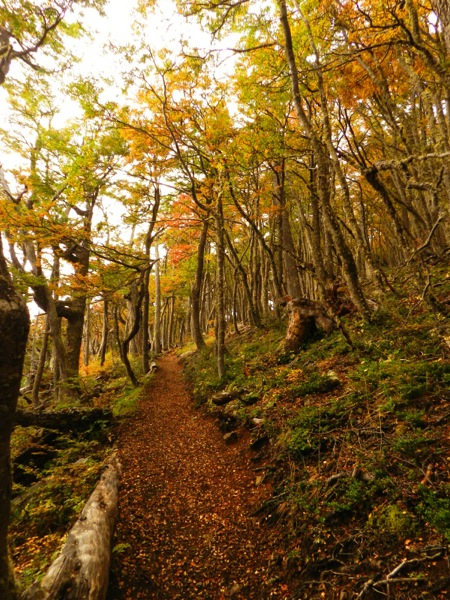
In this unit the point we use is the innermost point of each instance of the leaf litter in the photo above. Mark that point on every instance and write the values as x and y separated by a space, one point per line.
186 526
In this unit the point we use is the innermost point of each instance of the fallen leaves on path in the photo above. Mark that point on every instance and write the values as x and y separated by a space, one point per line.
185 528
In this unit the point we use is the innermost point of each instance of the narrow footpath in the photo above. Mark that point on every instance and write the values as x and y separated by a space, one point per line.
185 526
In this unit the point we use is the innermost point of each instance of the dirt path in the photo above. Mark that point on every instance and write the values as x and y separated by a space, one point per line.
185 528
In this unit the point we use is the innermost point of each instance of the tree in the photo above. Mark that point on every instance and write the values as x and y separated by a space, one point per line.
14 326
60 193
31 27
28 27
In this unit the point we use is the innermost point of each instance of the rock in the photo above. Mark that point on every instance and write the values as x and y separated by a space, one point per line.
227 396
226 422
187 355
258 458
260 442
231 437
250 399
332 375
222 398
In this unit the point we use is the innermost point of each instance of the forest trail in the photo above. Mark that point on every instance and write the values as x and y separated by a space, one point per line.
185 528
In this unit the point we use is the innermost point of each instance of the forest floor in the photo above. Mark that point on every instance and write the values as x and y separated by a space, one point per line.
334 483
187 498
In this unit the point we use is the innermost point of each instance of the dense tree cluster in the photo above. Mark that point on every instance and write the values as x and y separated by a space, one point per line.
308 161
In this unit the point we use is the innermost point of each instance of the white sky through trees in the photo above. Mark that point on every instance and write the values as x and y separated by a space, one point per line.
100 59
99 52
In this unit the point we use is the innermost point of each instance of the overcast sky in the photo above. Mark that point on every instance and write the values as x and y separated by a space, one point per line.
162 29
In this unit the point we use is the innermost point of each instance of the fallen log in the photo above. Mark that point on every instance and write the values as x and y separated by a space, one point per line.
81 571
63 420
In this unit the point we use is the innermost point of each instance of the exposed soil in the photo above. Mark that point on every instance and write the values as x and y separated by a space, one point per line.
186 528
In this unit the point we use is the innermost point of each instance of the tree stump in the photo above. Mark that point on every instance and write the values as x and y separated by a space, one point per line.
305 318
81 571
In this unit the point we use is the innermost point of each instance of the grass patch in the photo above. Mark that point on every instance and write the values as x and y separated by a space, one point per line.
391 521
434 509
316 383
126 402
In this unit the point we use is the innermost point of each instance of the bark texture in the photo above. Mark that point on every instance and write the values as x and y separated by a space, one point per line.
6 53
81 571
305 317
14 326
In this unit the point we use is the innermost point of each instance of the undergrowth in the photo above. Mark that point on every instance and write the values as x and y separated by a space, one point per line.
56 472
353 442
359 445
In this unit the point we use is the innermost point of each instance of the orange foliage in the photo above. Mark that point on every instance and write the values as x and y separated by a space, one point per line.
180 252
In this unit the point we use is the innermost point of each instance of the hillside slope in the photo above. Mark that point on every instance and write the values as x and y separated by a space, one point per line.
355 442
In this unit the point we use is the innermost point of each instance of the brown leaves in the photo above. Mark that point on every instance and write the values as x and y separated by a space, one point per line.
186 505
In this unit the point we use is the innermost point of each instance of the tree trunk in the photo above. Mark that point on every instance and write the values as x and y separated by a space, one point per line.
220 292
6 53
105 329
72 310
260 236
234 307
323 166
41 364
288 251
305 316
170 322
81 571
145 349
255 317
123 351
442 9
87 336
149 239
33 366
164 318
157 330
197 289
46 302
14 327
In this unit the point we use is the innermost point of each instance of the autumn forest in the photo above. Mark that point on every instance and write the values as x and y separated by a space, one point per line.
288 171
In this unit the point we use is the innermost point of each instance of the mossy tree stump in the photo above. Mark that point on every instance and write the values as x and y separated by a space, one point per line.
305 318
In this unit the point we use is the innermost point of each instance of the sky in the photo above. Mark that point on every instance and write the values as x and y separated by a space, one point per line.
97 58
96 61
163 29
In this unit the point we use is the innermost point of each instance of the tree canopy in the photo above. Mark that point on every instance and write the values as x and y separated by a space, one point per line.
282 149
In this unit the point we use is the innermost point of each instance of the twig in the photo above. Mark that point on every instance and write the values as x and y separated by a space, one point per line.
425 289
400 566
367 586
428 240
396 580
335 478
390 578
